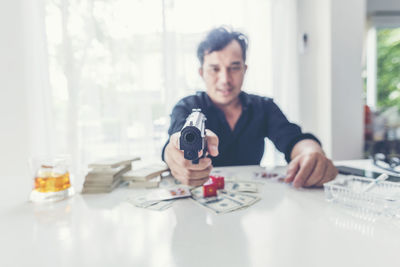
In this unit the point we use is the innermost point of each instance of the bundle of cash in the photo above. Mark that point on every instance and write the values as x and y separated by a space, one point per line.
152 183
145 177
105 175
146 173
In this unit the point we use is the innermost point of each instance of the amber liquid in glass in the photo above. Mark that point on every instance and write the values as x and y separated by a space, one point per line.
52 183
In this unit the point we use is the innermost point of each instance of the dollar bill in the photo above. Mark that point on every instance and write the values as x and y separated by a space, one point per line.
226 201
218 204
241 187
142 201
244 199
162 205
223 205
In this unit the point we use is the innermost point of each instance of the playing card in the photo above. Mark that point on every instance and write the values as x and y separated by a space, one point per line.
169 193
268 175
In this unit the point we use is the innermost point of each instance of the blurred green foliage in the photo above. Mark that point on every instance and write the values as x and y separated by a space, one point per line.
388 67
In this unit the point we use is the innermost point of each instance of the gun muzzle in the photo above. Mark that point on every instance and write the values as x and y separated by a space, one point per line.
193 136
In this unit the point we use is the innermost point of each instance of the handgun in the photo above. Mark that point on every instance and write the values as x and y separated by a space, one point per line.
193 136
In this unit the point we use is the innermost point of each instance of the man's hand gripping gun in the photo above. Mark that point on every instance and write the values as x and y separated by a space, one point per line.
193 136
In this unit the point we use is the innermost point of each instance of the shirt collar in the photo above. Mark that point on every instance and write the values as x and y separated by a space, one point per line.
244 98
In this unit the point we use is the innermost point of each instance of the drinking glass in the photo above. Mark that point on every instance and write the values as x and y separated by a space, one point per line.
51 179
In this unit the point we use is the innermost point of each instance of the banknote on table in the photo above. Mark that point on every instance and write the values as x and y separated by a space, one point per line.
218 204
241 186
152 205
160 199
244 199
235 196
226 201
162 205
142 201
169 193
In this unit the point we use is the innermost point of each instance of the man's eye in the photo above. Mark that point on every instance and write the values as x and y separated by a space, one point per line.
236 68
214 69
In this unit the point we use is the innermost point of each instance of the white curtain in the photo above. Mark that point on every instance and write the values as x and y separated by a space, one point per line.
285 45
116 68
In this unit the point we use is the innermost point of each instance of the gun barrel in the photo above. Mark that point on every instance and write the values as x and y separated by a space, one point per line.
193 136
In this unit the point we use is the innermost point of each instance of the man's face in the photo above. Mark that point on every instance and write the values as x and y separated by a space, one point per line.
223 73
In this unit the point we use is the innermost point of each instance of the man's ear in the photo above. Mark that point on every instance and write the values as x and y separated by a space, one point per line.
245 68
201 71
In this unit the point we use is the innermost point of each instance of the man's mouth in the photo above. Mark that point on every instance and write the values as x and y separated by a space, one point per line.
224 92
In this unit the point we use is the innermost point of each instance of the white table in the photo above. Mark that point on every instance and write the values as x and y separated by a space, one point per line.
288 227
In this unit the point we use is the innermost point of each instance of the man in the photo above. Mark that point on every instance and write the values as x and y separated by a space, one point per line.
237 122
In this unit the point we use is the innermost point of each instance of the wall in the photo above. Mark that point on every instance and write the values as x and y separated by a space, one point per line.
13 102
314 69
24 86
348 20
374 6
330 74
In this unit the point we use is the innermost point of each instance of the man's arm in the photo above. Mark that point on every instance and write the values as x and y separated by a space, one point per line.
309 166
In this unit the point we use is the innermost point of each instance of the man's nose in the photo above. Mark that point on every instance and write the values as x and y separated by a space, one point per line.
224 76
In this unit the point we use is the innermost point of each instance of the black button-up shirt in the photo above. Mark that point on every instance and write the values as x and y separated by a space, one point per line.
244 145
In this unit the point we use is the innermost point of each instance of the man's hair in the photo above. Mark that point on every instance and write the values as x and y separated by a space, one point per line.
217 39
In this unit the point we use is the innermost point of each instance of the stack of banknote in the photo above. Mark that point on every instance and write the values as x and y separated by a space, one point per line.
148 176
105 175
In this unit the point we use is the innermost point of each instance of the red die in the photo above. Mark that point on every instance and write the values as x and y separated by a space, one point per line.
219 181
209 189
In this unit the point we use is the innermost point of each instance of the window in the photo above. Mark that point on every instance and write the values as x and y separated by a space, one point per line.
118 67
383 79
388 67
